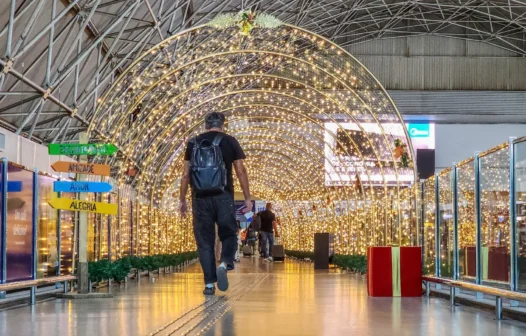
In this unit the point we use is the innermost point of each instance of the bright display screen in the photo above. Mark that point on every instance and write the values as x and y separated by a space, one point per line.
352 151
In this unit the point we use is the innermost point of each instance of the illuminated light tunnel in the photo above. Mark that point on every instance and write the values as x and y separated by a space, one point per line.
322 137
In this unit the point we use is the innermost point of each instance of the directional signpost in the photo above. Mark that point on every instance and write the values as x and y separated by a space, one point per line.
81 186
81 168
82 149
97 187
76 205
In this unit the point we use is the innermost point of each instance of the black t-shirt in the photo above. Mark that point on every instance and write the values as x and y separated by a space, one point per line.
231 151
267 217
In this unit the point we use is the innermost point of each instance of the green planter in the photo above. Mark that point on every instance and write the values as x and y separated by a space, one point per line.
118 270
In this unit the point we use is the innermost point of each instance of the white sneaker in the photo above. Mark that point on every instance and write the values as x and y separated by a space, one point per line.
270 259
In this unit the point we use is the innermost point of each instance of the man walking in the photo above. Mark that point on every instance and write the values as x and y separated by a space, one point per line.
268 228
208 163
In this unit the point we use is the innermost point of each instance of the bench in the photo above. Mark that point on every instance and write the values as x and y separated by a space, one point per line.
33 284
497 292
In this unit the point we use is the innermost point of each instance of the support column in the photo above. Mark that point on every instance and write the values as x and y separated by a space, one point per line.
513 219
422 220
498 308
59 240
437 228
119 227
109 231
34 247
3 227
478 220
456 267
82 268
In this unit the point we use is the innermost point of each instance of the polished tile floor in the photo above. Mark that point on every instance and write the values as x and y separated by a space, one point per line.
264 299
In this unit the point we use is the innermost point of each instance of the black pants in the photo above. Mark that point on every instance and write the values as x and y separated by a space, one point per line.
208 212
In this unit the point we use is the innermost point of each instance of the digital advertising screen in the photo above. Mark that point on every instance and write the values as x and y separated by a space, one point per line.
352 151
19 225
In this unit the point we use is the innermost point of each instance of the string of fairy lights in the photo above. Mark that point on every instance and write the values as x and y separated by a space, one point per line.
494 213
278 88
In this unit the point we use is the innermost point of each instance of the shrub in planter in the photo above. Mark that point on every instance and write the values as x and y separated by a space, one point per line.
120 269
357 263
300 254
99 270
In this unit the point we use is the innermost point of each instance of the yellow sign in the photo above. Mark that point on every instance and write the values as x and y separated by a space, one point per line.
76 205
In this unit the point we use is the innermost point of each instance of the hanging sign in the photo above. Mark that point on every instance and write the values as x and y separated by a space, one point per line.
81 168
13 186
97 187
76 205
82 149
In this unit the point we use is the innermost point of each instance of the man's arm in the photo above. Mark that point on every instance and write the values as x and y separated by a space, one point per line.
275 226
242 175
185 181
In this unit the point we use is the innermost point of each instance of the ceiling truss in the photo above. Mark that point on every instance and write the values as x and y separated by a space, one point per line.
58 56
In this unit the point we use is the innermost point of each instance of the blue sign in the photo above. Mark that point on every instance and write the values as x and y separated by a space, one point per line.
13 186
418 130
98 187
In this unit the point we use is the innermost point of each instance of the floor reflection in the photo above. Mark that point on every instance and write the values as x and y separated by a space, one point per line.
264 299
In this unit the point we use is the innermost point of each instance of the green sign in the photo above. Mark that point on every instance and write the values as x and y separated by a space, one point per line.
82 149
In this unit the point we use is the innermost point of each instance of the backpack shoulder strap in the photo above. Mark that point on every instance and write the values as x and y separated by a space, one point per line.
218 139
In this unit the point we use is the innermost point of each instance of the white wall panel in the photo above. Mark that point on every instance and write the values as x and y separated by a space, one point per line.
454 143
11 146
437 63
31 155
27 153
42 159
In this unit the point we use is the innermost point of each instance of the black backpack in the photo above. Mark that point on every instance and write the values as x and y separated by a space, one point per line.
207 168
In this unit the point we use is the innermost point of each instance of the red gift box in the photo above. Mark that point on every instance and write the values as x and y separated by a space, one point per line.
394 271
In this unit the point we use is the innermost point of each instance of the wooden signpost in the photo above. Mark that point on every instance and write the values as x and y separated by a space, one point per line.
76 205
81 186
81 168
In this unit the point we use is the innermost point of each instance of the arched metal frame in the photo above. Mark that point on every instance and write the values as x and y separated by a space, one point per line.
80 46
302 80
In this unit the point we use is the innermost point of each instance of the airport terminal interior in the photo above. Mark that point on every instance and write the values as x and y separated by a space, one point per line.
377 152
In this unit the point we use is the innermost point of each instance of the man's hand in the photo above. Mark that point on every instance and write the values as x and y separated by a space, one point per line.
248 205
183 207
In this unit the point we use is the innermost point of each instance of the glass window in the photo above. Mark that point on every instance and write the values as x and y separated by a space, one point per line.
445 223
428 230
47 229
495 233
467 236
68 220
520 212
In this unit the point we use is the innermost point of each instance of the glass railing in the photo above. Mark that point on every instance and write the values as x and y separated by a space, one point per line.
474 219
